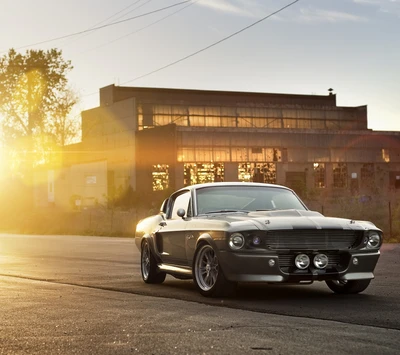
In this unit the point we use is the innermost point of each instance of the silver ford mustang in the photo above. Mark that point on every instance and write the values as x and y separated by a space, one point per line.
219 234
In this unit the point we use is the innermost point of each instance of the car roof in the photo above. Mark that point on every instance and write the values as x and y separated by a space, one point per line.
233 183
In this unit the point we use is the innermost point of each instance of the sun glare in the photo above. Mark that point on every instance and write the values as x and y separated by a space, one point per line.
3 163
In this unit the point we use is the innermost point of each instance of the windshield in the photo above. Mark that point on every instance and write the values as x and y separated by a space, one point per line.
246 198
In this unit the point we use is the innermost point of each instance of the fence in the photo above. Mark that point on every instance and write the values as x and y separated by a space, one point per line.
113 222
383 213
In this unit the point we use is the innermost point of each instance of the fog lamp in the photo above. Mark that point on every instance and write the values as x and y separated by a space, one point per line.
320 261
236 241
271 262
355 261
302 261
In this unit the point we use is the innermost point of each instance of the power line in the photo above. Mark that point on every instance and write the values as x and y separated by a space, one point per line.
205 48
103 26
109 18
117 13
213 44
141 29
137 7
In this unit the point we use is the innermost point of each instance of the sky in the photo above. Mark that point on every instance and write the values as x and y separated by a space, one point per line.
351 46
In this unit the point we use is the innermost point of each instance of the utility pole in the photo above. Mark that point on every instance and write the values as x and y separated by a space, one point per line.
390 220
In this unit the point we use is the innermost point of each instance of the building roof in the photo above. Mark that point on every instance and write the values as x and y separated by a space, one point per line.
111 94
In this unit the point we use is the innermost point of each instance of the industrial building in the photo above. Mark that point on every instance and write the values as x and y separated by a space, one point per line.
152 139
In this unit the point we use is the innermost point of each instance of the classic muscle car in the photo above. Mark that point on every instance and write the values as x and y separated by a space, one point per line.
220 234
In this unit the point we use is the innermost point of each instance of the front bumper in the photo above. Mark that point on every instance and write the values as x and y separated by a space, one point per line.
255 267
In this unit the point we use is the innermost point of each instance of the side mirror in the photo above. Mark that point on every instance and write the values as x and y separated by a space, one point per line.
181 212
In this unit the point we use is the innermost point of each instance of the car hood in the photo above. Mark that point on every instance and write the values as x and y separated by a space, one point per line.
290 219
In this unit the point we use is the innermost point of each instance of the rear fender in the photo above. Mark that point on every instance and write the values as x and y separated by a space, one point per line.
150 240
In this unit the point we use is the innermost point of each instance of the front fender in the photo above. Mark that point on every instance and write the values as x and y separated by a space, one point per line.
216 242
205 237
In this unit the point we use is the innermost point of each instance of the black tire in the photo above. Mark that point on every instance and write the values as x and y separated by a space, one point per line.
208 275
148 266
348 287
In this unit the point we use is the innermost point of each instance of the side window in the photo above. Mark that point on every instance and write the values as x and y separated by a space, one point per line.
189 209
164 206
181 201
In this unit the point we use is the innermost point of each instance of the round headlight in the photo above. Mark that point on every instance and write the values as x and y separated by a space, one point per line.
302 261
320 261
236 241
374 240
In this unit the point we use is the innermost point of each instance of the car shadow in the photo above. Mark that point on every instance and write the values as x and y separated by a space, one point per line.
311 301
293 293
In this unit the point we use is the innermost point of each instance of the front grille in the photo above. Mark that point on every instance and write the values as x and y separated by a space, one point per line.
320 239
287 260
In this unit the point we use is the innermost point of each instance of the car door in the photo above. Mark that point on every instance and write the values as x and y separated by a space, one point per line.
172 231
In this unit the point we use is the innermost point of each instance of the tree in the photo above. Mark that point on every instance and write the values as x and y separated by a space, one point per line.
35 104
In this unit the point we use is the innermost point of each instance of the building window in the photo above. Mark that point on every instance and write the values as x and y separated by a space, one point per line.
256 154
318 124
340 175
319 175
147 110
244 172
203 154
221 154
304 124
367 175
272 154
239 154
216 154
195 173
186 154
332 124
160 177
318 155
257 172
90 179
385 155
248 115
274 123
289 123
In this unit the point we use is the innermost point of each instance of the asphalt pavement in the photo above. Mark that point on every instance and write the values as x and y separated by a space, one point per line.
73 294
